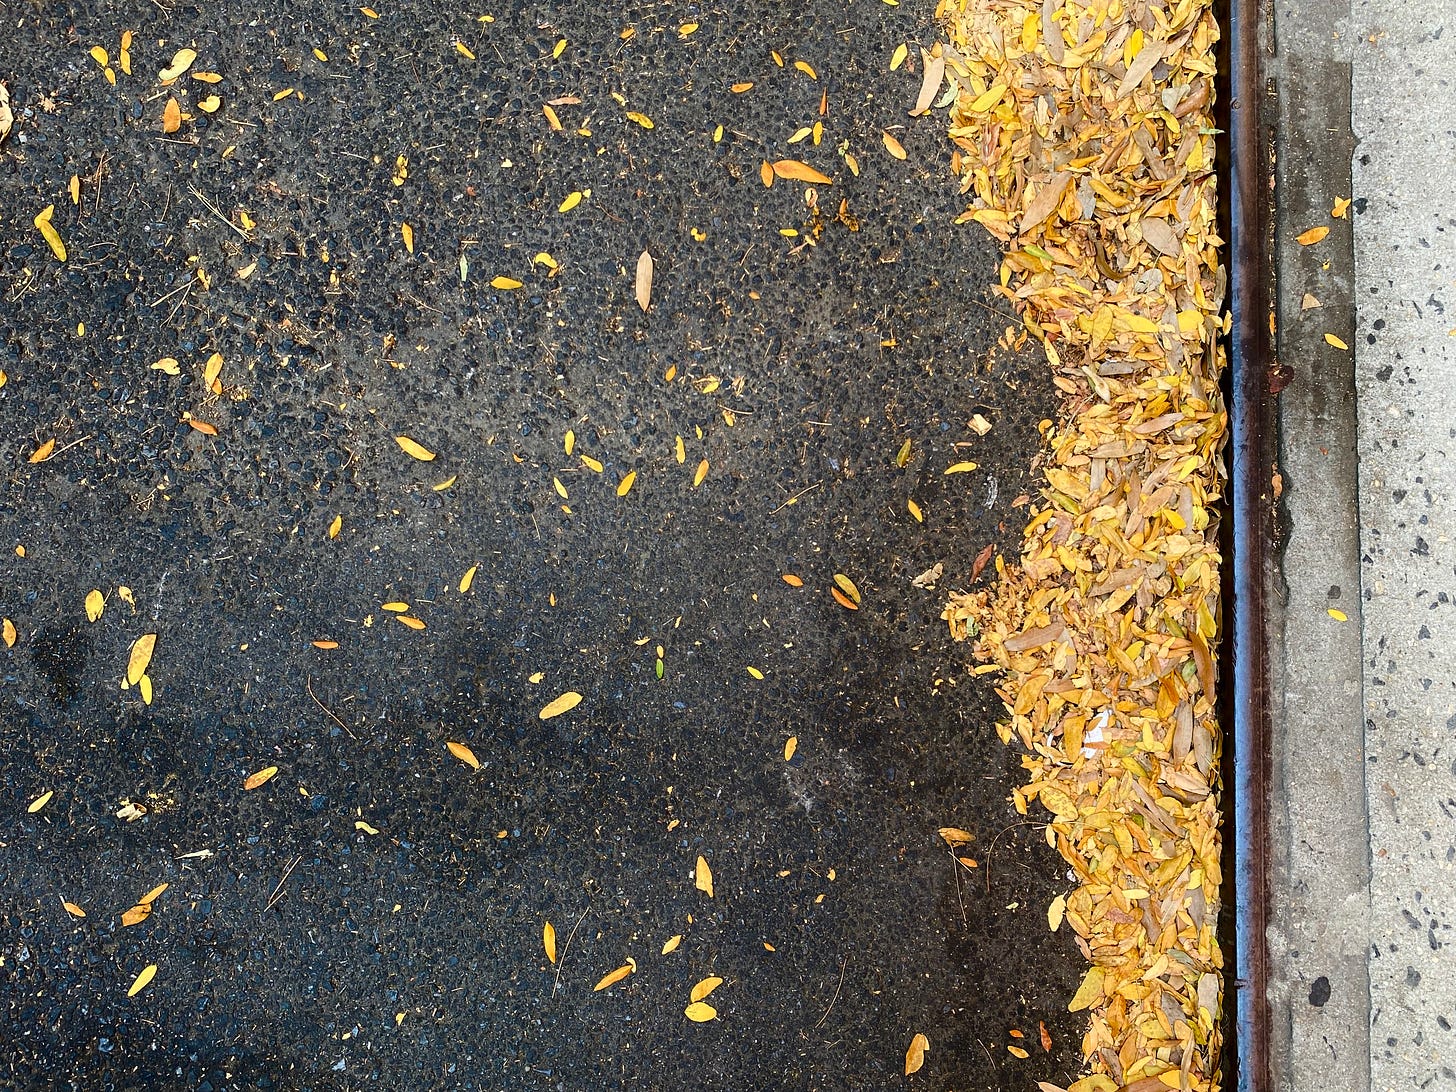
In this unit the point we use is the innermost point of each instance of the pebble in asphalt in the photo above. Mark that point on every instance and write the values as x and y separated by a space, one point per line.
297 949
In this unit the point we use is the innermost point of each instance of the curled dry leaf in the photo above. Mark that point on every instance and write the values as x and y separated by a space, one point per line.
464 754
181 62
564 704
414 449
955 836
645 266
915 1055
262 777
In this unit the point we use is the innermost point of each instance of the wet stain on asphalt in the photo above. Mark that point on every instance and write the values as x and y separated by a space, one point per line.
294 948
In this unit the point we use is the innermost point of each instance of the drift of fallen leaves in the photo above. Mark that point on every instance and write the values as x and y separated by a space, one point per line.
1085 144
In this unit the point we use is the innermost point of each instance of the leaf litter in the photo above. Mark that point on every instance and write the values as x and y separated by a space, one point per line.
1085 145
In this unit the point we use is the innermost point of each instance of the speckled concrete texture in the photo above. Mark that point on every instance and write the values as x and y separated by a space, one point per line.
1319 996
1404 116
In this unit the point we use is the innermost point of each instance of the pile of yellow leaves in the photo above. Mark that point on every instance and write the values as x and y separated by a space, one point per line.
1085 144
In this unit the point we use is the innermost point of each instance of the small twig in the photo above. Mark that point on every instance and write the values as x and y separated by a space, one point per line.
835 998
566 948
992 847
210 207
273 898
308 685
795 498
68 447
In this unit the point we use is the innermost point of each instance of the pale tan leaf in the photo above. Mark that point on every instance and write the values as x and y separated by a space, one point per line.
703 877
464 754
414 449
645 266
563 704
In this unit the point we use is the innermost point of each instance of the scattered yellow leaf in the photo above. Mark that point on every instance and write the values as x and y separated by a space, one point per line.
406 620
702 473
1341 206
626 483
548 939
898 57
72 909
613 978
100 56
140 657
807 69
790 746
847 586
671 945
641 119
703 877
468 579
137 914
756 673
893 146
955 836
506 284
1337 614
40 801
464 754
742 86
210 104
414 449
42 453
464 51
1312 236
48 231
171 115
262 777
570 202
7 631
699 1012
1089 993
1056 911
564 704
336 526
1338 343
915 1056
915 511
181 62
960 468
140 982
407 233
279 96
796 171
359 824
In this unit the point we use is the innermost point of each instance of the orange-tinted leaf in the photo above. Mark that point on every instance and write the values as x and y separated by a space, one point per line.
843 600
893 146
464 754
703 877
137 914
548 939
915 1056
202 426
564 704
171 115
1312 236
262 777
72 909
42 453
613 978
796 171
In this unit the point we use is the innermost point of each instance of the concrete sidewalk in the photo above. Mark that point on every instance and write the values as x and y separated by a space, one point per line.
1365 778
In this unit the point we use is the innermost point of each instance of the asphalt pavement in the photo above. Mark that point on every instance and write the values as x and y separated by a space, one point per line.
379 231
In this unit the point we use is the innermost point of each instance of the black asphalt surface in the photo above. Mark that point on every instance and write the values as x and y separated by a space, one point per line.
294 948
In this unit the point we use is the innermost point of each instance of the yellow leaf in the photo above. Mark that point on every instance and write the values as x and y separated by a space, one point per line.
210 105
440 487
144 686
559 50
594 465
960 468
790 746
72 909
49 233
641 119
408 234
699 1012
705 987
1056 911
167 364
1341 206
1337 614
742 86
1312 236
701 473
336 526
893 146
564 704
171 115
671 945
1338 343
852 163
415 449
898 57
398 606
154 894
626 483
207 77
804 67
1089 993
100 56
210 371
987 101
679 450
262 777
369 13
686 29
847 586
464 754
359 824
915 1055
137 914
464 51
42 453
570 202
613 978
468 578
40 801
279 96
140 657
181 62
756 673
7 630
703 877
548 938
406 620
506 284
915 511
796 171
140 983
955 836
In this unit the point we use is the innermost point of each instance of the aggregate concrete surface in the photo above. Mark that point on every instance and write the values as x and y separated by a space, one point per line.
297 948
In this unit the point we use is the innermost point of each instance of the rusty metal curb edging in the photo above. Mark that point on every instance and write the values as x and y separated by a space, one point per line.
1251 275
